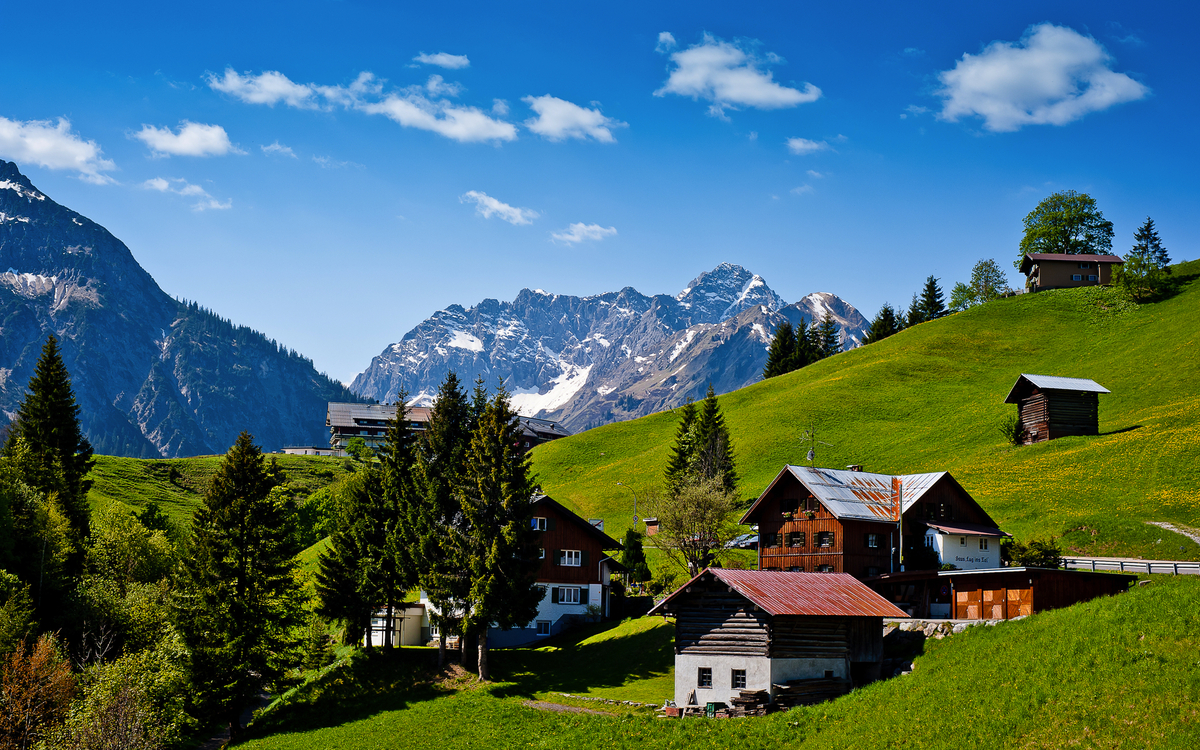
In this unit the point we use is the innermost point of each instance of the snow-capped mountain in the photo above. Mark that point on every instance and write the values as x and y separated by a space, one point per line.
586 361
153 376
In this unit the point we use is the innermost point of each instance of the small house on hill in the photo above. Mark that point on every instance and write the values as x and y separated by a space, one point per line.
1051 407
1060 271
818 520
753 630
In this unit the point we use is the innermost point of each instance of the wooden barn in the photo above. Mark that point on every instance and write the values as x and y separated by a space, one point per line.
818 520
1051 407
739 631
998 594
1062 271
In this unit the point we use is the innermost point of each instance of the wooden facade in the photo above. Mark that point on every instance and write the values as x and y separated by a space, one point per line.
1000 594
1060 271
1047 412
799 533
566 531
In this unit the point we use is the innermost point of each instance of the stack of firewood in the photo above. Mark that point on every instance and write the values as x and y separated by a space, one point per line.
748 703
808 692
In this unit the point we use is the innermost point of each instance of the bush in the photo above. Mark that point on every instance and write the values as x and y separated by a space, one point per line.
1037 553
1010 428
36 686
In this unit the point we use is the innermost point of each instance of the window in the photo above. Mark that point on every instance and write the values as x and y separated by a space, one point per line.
795 569
962 541
824 568
771 539
983 542
704 677
810 503
539 524
541 553
433 631
738 680
568 595
796 539
1084 265
824 539
1076 277
571 558
872 571
789 505
929 540
872 541
1091 277
543 627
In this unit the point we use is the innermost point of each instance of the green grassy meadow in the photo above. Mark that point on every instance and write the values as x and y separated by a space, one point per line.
931 398
1119 671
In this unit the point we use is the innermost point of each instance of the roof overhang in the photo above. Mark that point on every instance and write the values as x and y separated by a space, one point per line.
966 529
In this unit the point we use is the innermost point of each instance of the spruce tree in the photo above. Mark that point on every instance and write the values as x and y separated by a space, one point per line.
805 353
916 313
680 461
712 456
633 556
500 543
441 461
239 600
344 592
829 337
933 305
883 325
58 456
401 512
781 357
1147 237
1145 271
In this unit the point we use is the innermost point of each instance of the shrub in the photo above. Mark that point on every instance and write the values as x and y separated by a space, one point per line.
1010 428
36 686
1037 553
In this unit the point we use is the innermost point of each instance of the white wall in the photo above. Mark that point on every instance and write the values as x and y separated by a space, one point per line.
968 556
761 674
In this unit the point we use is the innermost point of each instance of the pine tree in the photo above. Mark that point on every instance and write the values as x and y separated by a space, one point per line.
933 306
1145 271
712 457
1147 237
829 337
500 543
883 325
344 593
401 514
806 354
58 456
238 596
781 357
680 461
916 314
441 461
633 556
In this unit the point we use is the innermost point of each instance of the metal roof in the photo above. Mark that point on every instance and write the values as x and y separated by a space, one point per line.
857 495
811 594
1054 383
969 529
339 414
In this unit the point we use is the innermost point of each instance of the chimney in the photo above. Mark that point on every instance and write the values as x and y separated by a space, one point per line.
854 467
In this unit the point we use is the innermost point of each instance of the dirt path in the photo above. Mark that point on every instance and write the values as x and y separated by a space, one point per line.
546 706
1192 534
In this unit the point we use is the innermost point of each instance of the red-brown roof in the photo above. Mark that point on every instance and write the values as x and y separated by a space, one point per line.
1031 258
785 593
966 529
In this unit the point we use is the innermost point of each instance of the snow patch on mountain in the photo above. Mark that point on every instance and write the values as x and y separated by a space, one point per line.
464 340
529 402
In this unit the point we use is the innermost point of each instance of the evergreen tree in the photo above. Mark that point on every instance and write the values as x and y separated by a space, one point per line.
883 325
679 463
633 556
344 593
441 462
806 354
830 340
712 456
401 513
500 544
59 457
1147 238
1145 271
916 314
932 304
479 403
238 596
781 357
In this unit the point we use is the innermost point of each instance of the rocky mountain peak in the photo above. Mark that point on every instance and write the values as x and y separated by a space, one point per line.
724 292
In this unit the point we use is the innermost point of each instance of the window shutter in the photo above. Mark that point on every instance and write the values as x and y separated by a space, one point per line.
558 557
554 595
549 524
583 558
584 593
866 540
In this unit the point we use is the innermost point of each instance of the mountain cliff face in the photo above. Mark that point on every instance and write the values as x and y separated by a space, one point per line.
153 376
586 361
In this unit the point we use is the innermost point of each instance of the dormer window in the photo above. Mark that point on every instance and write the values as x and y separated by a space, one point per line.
539 524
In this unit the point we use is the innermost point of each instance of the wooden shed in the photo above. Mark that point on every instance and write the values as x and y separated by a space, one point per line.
1051 407
773 631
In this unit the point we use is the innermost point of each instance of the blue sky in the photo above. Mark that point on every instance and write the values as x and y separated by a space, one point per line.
331 173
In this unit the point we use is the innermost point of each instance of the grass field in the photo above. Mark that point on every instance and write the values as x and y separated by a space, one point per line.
930 398
1120 671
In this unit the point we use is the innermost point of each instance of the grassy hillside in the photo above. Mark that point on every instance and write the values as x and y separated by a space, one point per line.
1114 672
931 398
178 484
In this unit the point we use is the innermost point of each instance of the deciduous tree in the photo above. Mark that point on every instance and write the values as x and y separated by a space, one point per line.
1066 222
696 524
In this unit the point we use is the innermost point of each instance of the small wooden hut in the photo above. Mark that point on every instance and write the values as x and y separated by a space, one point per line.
1051 407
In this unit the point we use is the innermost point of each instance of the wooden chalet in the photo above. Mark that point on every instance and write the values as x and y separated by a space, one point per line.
997 594
574 574
1051 407
817 520
1061 271
791 635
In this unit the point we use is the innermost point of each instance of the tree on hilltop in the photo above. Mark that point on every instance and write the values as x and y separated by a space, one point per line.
885 324
1066 222
828 337
932 304
1147 266
782 354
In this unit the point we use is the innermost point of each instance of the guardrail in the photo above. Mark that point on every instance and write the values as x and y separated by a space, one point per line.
1168 567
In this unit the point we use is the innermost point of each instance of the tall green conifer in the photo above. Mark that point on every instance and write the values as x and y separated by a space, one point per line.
933 305
883 325
712 457
680 461
830 339
781 357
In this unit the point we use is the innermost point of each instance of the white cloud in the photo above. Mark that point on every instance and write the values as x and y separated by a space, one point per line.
730 77
420 107
1053 76
559 119
815 174
54 146
180 186
803 146
499 107
443 60
666 42
576 233
278 148
269 87
326 162
193 139
802 190
487 207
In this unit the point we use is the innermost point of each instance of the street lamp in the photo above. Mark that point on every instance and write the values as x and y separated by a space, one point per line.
635 515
